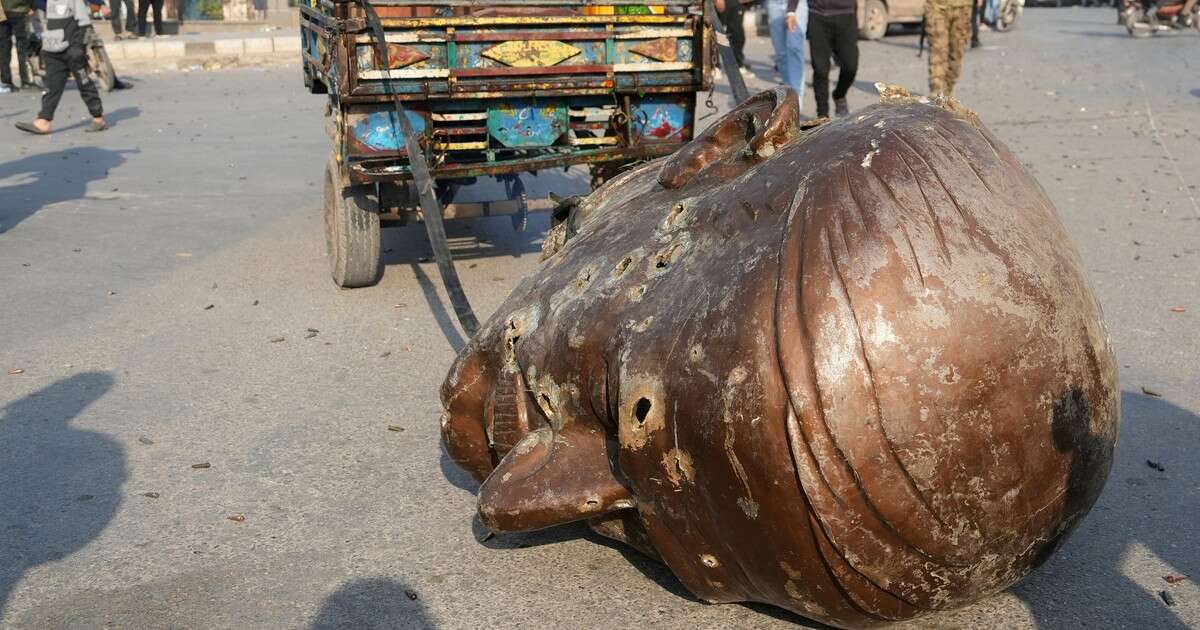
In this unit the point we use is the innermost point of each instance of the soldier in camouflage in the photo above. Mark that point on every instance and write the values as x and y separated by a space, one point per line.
948 28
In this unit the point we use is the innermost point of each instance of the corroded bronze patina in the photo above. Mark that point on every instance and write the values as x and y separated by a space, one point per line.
852 370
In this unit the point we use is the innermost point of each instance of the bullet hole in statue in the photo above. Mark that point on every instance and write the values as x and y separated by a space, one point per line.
676 210
667 256
622 266
641 410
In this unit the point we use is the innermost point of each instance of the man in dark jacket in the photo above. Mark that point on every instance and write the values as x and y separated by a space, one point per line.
832 30
12 32
63 54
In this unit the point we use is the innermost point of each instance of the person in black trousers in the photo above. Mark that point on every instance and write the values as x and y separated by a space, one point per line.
64 54
12 33
832 30
731 16
976 10
130 18
143 7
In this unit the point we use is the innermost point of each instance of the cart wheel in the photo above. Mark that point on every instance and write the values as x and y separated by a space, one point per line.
515 189
351 231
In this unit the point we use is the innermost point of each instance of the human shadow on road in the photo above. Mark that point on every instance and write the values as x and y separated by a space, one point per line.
373 603
1195 92
60 485
33 182
114 118
1143 514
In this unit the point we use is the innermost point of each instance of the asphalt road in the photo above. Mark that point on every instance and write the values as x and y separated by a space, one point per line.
144 271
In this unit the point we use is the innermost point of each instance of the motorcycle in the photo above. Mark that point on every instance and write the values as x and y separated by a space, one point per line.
1143 18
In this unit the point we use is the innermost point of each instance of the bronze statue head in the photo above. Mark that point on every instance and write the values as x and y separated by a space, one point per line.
852 369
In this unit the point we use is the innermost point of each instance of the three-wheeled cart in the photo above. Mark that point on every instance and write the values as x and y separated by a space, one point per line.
491 90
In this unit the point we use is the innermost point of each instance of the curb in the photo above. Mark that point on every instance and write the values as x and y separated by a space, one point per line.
167 50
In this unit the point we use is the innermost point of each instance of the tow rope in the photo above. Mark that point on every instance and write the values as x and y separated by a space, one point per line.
431 208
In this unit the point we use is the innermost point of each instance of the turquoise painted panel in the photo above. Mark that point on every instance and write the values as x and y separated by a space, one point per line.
376 130
523 122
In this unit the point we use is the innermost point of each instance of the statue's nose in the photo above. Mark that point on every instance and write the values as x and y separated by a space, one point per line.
553 477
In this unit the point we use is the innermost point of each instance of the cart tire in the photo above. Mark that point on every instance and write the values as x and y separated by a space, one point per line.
351 231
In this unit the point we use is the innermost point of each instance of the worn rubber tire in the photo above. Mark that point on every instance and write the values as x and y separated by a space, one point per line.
100 68
351 231
875 20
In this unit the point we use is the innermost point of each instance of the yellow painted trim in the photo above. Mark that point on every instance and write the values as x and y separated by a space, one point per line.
405 73
531 54
533 20
460 146
652 67
593 141
403 38
654 33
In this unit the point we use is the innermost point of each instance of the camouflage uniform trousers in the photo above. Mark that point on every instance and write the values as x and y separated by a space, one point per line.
948 29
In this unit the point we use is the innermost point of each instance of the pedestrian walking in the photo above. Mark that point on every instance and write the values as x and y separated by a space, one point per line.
65 28
787 20
144 7
833 31
131 24
13 35
731 16
948 28
976 11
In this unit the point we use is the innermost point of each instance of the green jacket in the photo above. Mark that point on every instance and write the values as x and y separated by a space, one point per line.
16 6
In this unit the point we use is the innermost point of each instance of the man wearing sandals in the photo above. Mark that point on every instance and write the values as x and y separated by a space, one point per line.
63 54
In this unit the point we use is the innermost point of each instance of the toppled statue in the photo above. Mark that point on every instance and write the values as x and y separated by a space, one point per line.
851 369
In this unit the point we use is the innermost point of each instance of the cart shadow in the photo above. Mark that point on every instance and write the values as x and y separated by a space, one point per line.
469 239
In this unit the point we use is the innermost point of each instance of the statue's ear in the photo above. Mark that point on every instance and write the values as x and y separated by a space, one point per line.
550 478
751 131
